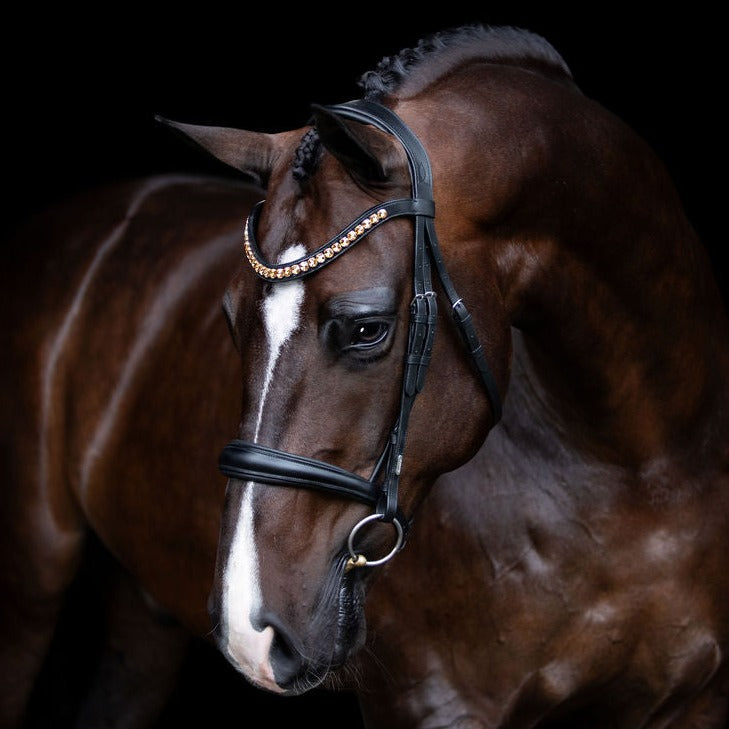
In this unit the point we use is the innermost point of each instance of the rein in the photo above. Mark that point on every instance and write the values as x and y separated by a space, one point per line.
249 461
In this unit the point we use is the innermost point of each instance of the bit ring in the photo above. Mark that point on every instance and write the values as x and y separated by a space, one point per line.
359 560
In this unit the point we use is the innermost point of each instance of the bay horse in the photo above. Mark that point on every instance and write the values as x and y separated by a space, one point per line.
482 454
568 570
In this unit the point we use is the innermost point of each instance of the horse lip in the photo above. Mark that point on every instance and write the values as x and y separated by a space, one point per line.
351 624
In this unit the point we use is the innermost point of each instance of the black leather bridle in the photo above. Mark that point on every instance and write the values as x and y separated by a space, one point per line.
253 462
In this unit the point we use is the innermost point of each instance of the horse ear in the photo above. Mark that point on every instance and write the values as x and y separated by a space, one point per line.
351 143
252 153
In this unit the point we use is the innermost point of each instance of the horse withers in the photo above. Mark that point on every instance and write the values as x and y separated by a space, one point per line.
475 230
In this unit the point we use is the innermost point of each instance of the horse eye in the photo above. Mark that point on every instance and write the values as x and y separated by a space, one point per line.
367 334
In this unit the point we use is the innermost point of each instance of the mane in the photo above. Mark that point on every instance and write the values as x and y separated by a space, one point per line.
413 69
434 55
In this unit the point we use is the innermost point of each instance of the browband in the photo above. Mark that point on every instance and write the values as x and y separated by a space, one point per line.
336 246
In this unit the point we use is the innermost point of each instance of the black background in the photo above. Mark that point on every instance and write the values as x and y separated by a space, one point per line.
80 91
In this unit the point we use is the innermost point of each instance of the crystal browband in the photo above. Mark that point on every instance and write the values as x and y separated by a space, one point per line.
334 248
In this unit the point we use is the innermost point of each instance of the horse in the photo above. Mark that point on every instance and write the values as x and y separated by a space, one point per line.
122 382
481 466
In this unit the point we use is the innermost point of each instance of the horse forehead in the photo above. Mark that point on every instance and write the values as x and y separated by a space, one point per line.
328 194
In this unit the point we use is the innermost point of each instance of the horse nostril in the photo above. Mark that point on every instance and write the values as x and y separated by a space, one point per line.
286 657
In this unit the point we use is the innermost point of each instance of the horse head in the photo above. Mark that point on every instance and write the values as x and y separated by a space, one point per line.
334 312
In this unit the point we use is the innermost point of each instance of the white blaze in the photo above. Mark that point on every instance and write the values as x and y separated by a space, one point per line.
247 647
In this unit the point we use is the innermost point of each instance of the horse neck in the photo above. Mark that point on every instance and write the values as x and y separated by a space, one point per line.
623 323
637 334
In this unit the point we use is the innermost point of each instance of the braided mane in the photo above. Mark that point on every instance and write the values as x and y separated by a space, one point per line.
443 50
431 57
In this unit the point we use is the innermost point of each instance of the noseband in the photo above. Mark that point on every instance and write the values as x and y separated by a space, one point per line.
253 462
